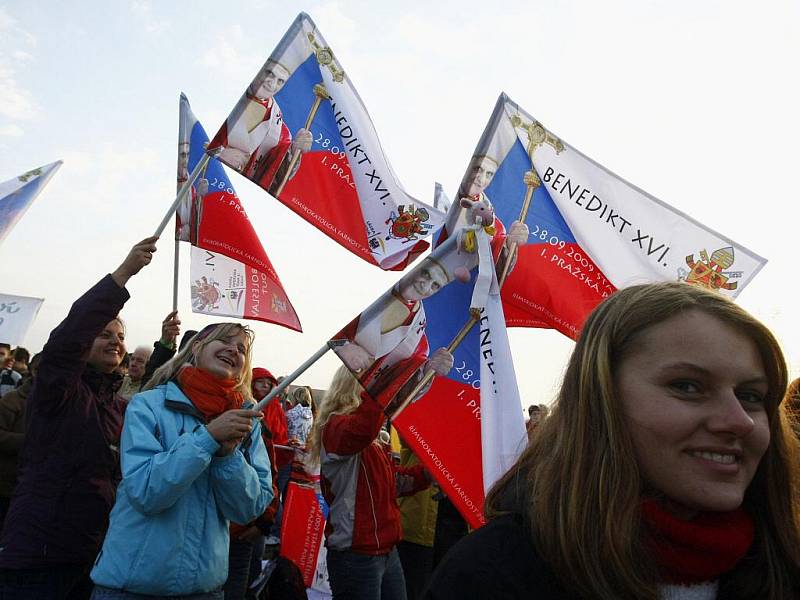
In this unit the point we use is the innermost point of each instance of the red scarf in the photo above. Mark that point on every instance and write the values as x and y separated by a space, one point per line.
211 396
696 551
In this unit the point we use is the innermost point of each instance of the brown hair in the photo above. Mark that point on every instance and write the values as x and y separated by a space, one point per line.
577 484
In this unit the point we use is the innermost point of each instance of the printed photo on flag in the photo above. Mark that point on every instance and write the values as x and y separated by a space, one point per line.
478 400
16 195
301 132
591 232
386 346
231 274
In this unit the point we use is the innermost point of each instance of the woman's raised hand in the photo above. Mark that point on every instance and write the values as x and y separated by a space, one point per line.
139 256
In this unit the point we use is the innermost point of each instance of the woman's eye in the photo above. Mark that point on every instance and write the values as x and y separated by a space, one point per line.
685 387
750 396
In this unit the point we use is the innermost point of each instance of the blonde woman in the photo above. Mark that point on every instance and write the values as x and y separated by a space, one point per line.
360 484
192 461
666 468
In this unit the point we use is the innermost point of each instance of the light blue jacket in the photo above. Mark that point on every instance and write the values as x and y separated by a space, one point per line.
169 525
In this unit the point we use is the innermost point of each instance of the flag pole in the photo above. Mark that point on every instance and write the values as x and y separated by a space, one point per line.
175 275
532 180
291 377
187 185
321 94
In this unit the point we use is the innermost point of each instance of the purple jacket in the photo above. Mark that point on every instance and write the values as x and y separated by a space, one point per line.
69 464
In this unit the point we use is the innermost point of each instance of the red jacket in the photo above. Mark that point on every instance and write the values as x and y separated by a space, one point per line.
361 483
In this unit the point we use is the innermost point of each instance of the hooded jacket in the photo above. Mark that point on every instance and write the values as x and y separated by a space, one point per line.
274 416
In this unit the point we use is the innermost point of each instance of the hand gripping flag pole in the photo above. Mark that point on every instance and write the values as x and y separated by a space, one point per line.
321 94
532 181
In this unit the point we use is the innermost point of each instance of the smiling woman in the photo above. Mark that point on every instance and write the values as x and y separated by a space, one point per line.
59 512
667 468
192 462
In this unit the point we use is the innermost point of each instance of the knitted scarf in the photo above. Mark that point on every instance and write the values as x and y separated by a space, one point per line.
211 396
696 551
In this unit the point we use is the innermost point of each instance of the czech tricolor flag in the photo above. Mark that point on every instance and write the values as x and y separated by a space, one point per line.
231 274
301 132
591 232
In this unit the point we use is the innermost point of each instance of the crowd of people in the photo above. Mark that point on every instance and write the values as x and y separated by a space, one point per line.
668 467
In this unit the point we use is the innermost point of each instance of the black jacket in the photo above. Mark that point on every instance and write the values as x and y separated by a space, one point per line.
69 464
499 562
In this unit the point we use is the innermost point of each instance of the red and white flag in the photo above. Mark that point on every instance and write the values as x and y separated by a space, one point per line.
302 529
301 132
231 274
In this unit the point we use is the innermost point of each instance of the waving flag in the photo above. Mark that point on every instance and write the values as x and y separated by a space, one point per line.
478 400
301 132
387 347
230 271
16 315
17 194
590 231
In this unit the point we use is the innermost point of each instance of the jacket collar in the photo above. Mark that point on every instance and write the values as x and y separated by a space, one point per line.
100 382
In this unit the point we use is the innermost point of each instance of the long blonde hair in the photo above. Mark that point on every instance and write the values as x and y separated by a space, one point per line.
210 333
342 397
577 484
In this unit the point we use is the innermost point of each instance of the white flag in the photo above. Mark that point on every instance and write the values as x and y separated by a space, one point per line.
16 315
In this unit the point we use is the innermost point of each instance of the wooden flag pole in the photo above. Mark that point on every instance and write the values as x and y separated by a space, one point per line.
532 181
321 94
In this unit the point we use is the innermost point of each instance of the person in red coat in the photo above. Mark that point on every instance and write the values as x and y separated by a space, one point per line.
361 483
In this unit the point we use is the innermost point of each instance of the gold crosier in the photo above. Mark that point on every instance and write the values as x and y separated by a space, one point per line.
326 59
537 136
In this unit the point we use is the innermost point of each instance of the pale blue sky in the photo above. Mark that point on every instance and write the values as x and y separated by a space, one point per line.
693 101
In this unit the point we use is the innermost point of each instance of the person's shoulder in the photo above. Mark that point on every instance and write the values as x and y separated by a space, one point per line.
496 540
499 560
152 398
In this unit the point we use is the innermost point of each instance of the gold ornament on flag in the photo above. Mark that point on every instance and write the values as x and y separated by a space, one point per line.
326 59
707 272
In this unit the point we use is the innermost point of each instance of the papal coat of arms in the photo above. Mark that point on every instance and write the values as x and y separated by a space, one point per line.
708 272
408 223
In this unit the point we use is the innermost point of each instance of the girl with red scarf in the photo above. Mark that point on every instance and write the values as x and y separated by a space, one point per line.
667 468
193 460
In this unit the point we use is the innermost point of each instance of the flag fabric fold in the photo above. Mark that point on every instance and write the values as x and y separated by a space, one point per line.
231 274
591 232
16 195
301 132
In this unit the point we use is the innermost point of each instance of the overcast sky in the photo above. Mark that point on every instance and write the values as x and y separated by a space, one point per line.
694 101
